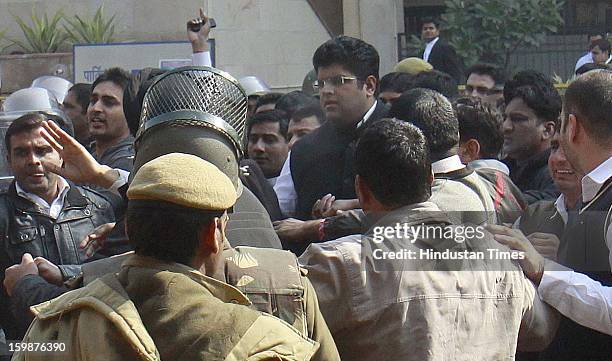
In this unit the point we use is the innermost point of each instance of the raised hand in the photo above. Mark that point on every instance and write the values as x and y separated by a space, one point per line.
78 164
199 37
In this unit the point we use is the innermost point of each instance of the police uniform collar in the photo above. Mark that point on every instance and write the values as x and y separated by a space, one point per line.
218 289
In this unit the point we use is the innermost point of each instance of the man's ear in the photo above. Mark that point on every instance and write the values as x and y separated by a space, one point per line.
361 189
572 128
371 84
469 150
207 237
548 131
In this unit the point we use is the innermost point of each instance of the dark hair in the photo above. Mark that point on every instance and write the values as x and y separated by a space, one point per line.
431 112
393 160
596 33
603 44
117 76
495 72
589 97
481 122
396 82
166 231
23 124
438 81
294 101
537 91
82 92
270 116
268 98
430 19
355 55
590 66
310 111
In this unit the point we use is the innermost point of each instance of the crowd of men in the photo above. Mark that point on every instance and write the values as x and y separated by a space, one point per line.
144 225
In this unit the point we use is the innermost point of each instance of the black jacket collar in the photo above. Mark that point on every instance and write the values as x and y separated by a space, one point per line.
74 199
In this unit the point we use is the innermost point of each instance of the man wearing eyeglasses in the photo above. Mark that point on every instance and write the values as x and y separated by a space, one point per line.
485 82
322 162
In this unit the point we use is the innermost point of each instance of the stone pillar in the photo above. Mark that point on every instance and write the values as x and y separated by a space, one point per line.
378 22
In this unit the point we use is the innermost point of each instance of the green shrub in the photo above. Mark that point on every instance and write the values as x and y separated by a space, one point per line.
43 36
91 31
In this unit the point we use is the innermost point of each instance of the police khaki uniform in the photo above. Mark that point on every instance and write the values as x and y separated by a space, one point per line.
270 278
154 310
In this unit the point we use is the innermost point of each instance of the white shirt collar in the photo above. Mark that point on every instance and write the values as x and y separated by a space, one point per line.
592 182
433 42
53 209
428 48
447 165
561 209
272 181
609 60
367 115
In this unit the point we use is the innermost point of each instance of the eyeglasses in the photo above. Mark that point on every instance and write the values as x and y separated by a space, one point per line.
333 82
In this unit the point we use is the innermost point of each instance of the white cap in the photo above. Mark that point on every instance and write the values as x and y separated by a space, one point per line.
253 86
31 99
56 85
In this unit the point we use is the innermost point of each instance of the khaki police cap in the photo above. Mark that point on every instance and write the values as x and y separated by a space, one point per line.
184 180
412 66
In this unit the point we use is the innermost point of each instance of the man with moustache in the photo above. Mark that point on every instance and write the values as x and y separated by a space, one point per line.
42 214
533 106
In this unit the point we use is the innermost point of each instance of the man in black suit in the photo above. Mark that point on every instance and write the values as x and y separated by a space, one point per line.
438 53
322 162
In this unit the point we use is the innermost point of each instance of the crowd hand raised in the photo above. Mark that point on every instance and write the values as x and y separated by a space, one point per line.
547 244
94 241
199 39
16 272
78 164
49 271
533 262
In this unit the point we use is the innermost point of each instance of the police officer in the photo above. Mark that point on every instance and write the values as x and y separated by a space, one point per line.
165 301
271 278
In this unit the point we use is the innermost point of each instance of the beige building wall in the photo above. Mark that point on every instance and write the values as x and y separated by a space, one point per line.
378 22
271 39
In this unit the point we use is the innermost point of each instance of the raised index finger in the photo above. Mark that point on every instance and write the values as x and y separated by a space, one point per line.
203 15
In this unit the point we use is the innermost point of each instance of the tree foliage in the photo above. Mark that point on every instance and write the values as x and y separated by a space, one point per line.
491 31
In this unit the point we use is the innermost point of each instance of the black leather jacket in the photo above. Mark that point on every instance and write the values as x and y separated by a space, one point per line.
24 228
